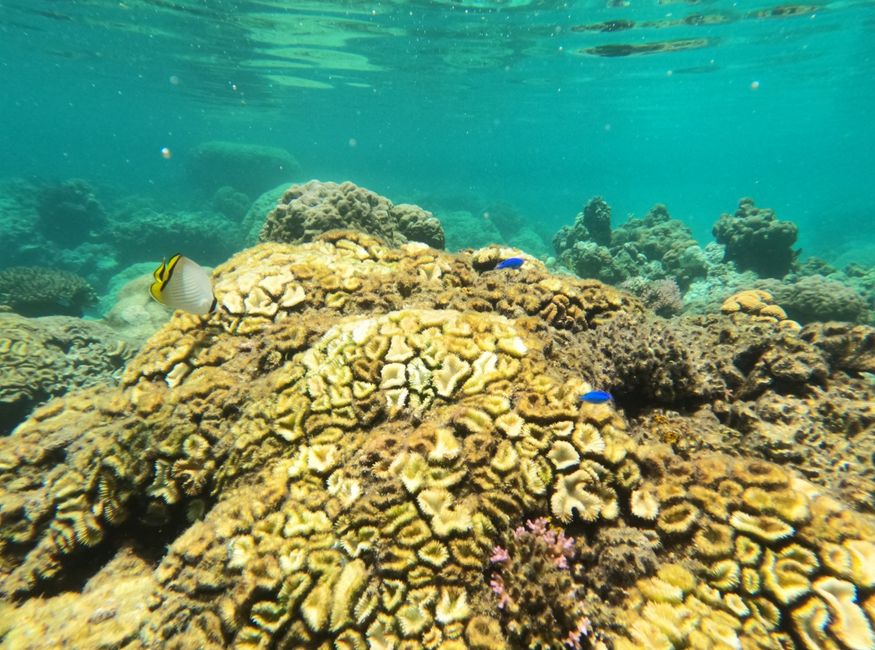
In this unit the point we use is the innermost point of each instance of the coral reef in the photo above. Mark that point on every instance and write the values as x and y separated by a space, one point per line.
596 213
68 212
533 584
22 243
505 218
140 231
760 306
47 357
134 314
344 443
39 291
307 210
257 213
813 298
112 607
231 203
767 560
464 229
247 168
662 296
655 247
756 240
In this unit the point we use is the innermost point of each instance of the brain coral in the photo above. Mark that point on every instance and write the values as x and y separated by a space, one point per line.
40 291
307 210
47 357
756 240
341 472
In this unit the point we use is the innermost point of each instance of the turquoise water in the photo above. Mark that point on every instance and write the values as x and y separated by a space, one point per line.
502 101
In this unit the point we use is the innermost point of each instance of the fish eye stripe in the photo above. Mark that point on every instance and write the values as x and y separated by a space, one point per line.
159 272
171 266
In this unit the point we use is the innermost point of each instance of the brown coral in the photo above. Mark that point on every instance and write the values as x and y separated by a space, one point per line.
307 210
41 291
47 357
759 305
340 471
755 239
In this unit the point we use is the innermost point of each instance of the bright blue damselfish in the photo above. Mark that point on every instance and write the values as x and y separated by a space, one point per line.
510 263
596 397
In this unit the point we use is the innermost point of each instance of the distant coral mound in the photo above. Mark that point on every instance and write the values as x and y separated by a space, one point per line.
305 211
41 291
653 248
47 357
346 453
756 240
247 168
813 298
69 212
141 231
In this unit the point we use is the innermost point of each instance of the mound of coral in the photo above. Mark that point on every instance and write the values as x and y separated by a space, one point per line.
139 231
42 358
247 168
307 210
760 306
653 248
41 291
812 298
69 212
756 240
334 455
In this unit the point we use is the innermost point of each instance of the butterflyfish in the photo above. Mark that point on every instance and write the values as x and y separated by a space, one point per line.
510 263
181 283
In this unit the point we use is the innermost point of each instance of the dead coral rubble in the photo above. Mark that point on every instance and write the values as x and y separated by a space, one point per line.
349 467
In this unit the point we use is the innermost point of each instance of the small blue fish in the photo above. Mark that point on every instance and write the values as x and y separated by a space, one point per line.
596 397
510 263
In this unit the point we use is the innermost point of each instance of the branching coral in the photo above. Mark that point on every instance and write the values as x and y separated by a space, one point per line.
532 582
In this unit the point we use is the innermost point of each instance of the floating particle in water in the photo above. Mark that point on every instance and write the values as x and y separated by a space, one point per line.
754 85
166 153
174 80
353 143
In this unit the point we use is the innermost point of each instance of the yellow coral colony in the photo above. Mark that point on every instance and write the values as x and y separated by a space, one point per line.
759 305
354 473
